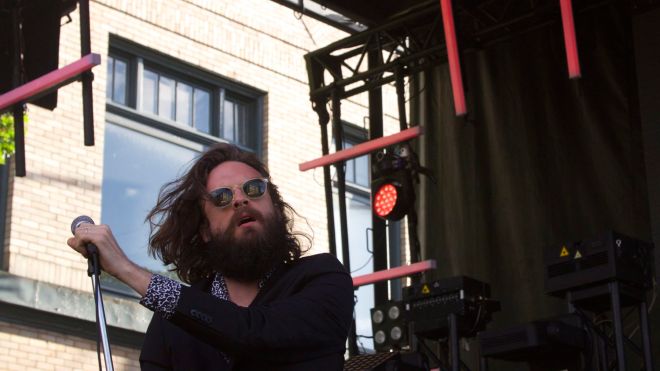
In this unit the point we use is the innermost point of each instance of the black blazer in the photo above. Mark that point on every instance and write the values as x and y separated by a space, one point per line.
298 321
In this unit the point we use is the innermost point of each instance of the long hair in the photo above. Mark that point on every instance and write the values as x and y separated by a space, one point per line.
178 217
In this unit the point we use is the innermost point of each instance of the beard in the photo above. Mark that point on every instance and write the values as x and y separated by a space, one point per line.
250 257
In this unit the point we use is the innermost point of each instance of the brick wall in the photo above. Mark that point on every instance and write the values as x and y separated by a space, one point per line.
26 348
255 42
258 43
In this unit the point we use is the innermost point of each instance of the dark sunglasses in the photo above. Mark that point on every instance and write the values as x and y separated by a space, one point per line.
252 189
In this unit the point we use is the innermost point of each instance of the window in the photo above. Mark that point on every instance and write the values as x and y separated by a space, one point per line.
358 210
176 100
116 84
136 165
181 98
357 169
160 114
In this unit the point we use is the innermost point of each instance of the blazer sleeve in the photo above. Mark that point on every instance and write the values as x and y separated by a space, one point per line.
155 355
313 315
168 347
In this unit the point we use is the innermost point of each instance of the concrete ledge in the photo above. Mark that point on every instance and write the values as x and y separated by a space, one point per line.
62 309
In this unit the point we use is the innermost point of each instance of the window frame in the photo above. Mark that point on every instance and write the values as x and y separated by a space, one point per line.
139 56
356 135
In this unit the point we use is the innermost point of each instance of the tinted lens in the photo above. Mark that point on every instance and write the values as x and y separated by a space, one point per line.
254 188
222 196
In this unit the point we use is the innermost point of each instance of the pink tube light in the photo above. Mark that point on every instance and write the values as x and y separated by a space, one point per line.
569 39
452 56
392 273
49 81
362 148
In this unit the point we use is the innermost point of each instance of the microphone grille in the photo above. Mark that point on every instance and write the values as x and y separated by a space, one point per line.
80 220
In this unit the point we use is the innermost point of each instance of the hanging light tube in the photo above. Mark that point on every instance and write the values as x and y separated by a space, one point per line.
569 39
452 56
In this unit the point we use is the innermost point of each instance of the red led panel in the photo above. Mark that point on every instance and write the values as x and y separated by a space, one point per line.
385 200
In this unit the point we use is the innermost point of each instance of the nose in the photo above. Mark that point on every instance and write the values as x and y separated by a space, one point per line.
239 199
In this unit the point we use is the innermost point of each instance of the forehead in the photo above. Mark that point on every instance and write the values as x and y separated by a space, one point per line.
230 173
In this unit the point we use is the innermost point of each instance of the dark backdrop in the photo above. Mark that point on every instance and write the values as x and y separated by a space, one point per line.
540 159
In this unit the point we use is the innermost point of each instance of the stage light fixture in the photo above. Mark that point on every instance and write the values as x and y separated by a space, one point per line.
390 329
377 316
393 193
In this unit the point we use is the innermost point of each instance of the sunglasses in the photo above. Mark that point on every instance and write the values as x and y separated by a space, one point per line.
252 189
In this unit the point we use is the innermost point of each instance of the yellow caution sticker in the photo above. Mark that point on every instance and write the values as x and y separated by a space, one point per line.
425 289
577 255
564 252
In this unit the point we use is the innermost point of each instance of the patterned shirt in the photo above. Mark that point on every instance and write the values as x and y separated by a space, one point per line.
163 293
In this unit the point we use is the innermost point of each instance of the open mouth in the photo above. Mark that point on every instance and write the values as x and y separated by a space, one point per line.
246 219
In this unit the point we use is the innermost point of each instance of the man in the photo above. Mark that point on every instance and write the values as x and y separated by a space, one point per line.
253 303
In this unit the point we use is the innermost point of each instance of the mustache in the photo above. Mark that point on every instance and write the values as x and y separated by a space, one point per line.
246 210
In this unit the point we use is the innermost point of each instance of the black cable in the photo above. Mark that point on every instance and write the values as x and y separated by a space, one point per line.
363 265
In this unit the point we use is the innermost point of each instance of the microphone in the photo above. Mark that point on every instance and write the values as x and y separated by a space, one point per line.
93 271
80 220
92 250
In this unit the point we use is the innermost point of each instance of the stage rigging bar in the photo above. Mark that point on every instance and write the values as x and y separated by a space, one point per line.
395 272
363 148
50 81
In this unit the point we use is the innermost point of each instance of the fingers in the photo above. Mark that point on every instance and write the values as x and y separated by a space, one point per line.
111 257
75 244
84 235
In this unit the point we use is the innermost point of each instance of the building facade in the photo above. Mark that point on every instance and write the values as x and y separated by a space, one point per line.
176 76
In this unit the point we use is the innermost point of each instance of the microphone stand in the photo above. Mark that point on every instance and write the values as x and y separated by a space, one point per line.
93 271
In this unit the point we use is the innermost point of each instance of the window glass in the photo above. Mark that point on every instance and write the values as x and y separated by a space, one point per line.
240 123
149 91
362 172
117 74
119 81
350 166
228 121
357 169
184 104
202 109
166 98
110 70
136 167
235 123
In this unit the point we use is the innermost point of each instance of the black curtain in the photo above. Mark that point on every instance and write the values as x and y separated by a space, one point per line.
539 160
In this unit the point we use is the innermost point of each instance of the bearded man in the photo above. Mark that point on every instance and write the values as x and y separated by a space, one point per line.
253 302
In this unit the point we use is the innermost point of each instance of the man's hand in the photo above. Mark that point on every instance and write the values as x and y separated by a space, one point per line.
111 257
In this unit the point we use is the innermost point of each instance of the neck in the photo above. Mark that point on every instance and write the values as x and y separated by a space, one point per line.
242 293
